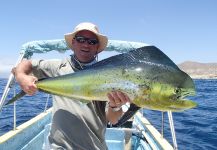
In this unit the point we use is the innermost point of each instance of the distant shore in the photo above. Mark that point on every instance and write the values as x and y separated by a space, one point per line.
203 76
199 70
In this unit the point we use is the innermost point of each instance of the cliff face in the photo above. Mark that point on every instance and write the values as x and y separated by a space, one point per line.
199 70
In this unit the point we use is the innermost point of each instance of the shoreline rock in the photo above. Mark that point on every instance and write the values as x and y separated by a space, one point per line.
199 70
202 77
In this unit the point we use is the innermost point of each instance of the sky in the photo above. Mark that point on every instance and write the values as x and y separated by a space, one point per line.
185 30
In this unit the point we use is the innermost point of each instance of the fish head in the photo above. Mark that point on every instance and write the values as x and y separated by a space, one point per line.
168 93
181 91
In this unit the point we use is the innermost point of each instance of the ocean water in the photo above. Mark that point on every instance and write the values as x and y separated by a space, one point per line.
26 108
196 129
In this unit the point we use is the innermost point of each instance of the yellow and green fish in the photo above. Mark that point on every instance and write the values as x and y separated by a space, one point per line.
149 77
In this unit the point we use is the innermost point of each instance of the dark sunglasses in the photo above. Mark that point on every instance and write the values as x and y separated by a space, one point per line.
81 39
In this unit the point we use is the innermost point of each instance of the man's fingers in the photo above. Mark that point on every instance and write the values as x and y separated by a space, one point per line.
123 97
116 98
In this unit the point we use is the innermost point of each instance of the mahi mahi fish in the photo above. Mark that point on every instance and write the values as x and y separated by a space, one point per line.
148 76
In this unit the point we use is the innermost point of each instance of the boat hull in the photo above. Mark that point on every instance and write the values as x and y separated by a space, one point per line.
34 132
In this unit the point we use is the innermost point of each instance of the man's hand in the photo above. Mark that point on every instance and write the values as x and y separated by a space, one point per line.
117 99
26 82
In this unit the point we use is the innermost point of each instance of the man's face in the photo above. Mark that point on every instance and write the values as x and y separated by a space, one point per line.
84 47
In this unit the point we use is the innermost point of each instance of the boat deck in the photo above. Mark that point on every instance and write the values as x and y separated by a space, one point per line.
139 134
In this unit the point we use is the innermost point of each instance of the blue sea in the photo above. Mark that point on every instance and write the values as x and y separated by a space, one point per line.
196 129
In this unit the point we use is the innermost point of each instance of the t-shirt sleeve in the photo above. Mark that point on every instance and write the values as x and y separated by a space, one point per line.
45 68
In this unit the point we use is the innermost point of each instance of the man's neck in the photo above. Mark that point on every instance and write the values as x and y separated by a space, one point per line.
82 65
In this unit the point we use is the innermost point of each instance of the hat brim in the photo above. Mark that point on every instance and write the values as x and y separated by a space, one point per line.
103 40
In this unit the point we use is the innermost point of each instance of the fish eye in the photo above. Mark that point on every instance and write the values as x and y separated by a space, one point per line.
177 90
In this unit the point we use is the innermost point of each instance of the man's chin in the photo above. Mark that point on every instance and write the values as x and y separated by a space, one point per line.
86 59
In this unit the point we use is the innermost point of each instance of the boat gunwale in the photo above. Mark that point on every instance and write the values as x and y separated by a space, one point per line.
161 141
10 134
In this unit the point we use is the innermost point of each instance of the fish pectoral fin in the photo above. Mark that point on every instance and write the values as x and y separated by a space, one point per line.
16 97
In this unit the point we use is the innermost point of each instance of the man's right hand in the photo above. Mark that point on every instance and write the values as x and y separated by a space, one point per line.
27 83
24 78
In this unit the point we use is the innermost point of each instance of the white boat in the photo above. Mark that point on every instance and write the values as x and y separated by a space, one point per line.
136 134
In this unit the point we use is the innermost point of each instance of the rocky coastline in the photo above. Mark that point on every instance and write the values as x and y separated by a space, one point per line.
199 70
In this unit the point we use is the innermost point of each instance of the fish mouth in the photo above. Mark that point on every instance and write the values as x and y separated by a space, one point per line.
182 93
181 102
186 94
181 97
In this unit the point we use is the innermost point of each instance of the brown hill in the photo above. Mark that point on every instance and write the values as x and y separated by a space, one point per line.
199 70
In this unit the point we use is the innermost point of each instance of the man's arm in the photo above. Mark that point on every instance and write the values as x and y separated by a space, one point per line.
23 76
116 100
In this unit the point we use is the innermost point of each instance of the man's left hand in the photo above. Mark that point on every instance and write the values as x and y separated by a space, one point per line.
117 98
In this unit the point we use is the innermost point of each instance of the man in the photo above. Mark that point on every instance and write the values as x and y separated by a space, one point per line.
75 125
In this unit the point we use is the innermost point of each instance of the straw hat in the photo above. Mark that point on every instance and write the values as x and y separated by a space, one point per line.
103 40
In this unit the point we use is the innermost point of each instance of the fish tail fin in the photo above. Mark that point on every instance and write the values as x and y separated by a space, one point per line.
16 97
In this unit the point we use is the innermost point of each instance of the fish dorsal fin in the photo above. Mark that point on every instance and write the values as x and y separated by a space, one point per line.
151 54
146 54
